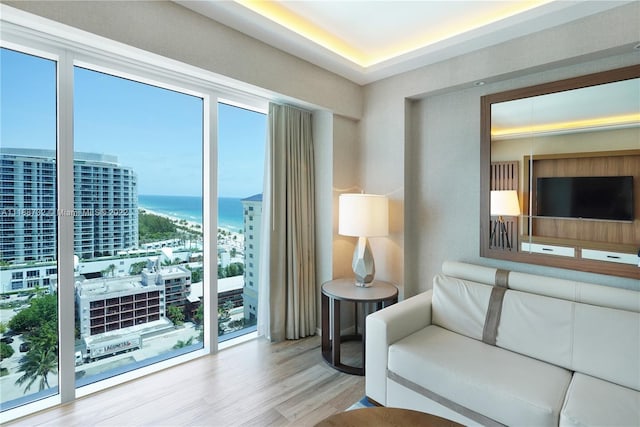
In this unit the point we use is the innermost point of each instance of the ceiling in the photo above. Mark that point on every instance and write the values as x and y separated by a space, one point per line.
365 41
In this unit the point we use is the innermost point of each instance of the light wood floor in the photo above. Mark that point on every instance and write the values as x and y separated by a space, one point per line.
255 383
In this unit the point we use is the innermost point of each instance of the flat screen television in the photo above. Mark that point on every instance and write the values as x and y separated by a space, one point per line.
593 197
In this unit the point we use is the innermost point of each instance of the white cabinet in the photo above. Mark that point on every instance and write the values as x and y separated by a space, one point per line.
548 249
619 257
541 247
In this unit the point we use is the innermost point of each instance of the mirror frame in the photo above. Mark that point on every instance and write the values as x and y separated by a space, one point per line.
614 269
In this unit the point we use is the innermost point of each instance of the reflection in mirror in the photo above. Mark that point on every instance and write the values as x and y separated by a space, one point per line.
570 151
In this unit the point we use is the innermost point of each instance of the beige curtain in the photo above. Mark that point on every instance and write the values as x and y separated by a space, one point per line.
287 296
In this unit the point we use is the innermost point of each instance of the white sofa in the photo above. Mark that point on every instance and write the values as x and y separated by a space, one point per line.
492 347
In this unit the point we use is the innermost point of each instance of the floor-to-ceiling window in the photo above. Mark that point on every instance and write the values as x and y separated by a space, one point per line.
138 174
241 154
28 221
110 205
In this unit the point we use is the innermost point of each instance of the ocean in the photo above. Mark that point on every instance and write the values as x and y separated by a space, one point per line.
190 208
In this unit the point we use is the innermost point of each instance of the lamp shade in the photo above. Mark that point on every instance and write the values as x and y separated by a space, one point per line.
363 215
505 203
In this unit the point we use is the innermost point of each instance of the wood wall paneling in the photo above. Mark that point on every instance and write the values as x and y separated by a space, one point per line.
592 233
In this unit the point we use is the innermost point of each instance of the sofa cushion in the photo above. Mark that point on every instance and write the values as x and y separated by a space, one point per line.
606 344
460 305
594 402
504 386
537 326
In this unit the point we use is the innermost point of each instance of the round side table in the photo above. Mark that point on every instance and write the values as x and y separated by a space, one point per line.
380 293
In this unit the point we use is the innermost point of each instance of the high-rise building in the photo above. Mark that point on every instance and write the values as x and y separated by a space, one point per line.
252 207
105 205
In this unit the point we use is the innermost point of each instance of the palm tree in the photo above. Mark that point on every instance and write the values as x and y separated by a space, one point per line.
37 364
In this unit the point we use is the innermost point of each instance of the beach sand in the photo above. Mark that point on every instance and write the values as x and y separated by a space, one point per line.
227 239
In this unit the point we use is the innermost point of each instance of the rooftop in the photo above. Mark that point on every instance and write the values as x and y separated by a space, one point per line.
51 155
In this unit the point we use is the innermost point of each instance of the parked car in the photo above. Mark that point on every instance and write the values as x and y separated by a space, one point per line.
24 347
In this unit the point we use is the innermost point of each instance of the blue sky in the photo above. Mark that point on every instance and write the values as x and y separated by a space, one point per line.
155 131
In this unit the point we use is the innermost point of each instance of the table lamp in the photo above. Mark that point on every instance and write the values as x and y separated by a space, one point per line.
363 216
503 203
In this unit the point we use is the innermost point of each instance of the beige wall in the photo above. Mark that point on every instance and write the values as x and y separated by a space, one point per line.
422 128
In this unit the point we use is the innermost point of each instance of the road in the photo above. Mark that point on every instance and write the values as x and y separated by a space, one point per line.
151 347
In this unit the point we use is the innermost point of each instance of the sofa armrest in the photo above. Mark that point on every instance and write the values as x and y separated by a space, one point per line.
385 327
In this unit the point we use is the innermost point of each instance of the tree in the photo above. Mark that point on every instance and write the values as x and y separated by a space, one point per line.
136 267
223 311
176 315
42 309
181 344
198 317
196 275
39 325
36 365
5 350
234 269
153 227
110 270
44 337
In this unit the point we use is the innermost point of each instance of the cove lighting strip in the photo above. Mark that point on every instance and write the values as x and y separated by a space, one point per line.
279 14
627 120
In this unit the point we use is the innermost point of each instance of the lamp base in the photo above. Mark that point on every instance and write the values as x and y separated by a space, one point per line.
363 266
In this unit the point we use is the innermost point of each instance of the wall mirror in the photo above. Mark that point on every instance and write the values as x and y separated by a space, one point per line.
560 174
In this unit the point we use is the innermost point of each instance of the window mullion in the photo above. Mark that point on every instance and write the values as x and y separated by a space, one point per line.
65 194
210 221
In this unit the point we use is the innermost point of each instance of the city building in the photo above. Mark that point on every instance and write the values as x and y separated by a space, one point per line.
107 305
252 207
105 205
131 303
176 281
44 275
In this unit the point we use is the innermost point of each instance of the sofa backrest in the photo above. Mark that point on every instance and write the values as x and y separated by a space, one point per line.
599 341
603 342
460 305
571 290
540 327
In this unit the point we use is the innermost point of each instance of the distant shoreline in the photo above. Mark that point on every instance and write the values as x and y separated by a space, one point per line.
191 225
228 239
190 208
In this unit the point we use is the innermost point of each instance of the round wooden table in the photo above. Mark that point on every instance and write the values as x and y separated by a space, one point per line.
385 417
378 293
